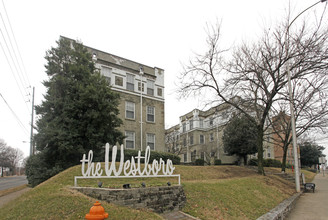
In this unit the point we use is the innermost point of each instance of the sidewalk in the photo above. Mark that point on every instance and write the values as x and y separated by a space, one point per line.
7 198
312 205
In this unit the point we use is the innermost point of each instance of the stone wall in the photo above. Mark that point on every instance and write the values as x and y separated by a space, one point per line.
282 210
157 199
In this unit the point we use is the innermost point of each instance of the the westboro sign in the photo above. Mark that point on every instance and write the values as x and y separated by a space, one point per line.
128 169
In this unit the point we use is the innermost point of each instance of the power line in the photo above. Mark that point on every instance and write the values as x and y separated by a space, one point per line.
13 61
12 72
13 112
12 32
21 82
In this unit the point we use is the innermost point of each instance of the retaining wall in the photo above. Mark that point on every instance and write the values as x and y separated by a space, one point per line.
282 210
158 199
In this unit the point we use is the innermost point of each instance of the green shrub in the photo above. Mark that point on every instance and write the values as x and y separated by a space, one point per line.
266 162
37 171
217 162
199 162
271 163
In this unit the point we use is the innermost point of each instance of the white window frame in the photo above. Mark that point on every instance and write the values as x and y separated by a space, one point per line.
129 82
131 138
191 124
130 108
184 127
151 112
141 85
201 123
151 139
159 93
150 87
118 78
191 140
201 135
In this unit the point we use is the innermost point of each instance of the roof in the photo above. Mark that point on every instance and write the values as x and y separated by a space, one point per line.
110 59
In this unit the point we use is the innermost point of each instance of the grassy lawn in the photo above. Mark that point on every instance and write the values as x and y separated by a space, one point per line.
213 192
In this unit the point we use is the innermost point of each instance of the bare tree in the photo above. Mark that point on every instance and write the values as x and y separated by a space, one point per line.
311 111
3 155
9 157
257 72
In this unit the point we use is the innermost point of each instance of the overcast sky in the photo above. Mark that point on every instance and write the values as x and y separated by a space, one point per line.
164 34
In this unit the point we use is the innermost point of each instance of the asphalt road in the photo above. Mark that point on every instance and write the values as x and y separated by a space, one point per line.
13 181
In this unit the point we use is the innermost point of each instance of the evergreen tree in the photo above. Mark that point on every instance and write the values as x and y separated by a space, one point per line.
79 112
310 153
239 137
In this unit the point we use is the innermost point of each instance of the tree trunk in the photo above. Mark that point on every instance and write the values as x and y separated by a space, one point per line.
260 150
283 165
245 160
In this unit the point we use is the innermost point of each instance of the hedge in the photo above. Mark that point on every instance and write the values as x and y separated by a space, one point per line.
266 163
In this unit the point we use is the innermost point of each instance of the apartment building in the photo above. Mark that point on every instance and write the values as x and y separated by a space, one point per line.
281 123
199 135
141 90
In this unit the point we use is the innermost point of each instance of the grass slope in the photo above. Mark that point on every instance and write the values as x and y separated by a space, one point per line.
213 192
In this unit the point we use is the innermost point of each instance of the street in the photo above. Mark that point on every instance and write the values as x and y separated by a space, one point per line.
10 182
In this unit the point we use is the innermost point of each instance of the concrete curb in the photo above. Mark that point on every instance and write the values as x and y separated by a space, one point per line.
282 210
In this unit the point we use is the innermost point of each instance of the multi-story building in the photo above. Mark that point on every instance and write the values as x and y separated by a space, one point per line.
281 124
141 90
199 135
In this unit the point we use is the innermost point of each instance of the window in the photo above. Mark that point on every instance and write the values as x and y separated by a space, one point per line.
139 86
211 137
202 155
129 110
159 91
201 123
118 81
193 155
150 87
269 152
105 71
191 140
151 141
150 114
201 139
211 121
185 158
130 82
191 124
184 142
129 140
184 127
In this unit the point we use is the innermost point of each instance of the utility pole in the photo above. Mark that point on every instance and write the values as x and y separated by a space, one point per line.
291 105
32 117
141 90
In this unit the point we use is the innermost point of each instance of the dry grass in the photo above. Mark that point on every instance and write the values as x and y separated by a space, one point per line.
11 190
213 192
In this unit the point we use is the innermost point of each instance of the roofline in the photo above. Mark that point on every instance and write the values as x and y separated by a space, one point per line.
112 54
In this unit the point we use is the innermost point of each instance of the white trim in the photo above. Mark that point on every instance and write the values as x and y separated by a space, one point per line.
134 110
149 141
153 114
134 140
137 94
